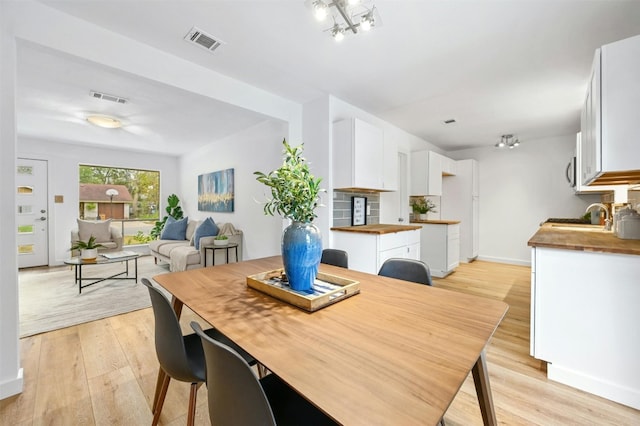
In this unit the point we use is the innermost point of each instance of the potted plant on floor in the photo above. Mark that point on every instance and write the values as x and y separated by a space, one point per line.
88 249
295 194
173 209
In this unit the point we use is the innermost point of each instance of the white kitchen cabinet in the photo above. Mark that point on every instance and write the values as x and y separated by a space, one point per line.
368 251
358 154
440 247
449 166
609 122
584 319
460 201
581 188
427 169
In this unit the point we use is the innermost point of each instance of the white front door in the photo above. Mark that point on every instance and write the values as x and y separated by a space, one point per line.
31 213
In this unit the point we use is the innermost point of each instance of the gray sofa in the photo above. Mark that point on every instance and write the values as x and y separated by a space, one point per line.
182 255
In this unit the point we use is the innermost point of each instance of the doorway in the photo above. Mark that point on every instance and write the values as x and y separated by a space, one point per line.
31 213
403 188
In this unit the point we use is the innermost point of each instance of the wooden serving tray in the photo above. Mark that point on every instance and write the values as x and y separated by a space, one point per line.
328 289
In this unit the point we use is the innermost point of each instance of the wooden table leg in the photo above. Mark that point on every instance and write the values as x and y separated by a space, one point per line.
177 306
483 390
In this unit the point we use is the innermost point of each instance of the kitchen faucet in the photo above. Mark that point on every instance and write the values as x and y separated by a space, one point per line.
607 221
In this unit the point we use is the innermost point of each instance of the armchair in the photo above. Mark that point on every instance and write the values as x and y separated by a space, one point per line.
109 236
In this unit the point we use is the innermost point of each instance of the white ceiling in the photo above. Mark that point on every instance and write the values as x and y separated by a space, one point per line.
511 66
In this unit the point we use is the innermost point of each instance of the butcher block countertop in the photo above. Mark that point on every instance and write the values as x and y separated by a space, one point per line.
377 229
436 222
582 237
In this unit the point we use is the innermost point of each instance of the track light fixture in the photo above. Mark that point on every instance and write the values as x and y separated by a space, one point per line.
348 15
507 141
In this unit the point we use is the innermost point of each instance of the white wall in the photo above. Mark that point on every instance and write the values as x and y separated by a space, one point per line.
519 188
258 148
318 151
10 372
63 161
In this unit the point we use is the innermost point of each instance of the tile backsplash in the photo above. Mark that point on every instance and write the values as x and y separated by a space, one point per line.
342 207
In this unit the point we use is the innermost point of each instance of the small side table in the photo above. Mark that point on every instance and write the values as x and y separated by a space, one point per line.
213 252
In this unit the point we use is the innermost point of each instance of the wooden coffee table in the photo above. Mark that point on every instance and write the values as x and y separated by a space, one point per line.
101 260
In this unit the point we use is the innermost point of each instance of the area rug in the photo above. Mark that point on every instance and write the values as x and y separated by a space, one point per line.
49 300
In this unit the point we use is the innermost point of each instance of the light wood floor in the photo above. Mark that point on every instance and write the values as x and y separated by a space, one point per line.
104 372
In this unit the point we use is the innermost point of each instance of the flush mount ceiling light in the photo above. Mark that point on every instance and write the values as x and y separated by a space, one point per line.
508 141
104 121
348 15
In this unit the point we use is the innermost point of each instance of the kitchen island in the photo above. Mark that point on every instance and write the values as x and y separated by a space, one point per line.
369 246
585 292
440 245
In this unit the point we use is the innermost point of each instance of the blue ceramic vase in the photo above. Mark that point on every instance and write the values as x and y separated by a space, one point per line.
301 252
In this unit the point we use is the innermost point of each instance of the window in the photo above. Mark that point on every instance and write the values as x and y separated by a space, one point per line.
129 197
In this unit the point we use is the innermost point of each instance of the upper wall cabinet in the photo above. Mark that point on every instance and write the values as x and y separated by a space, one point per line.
609 121
580 188
427 169
358 156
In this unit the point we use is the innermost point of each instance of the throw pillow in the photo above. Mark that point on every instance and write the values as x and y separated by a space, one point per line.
99 229
174 229
207 228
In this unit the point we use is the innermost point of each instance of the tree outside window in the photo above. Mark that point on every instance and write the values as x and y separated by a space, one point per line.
135 204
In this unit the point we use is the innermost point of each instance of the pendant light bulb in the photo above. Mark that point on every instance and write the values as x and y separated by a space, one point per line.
320 10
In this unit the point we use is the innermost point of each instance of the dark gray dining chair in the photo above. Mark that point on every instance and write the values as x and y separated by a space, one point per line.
335 257
406 269
180 357
238 397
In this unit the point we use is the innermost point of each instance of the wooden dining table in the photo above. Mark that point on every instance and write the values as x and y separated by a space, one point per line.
396 353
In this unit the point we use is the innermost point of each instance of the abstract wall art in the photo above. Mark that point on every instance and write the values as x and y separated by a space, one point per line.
216 192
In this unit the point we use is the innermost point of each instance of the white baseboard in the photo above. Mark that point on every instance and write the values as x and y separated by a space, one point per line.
612 391
505 260
12 387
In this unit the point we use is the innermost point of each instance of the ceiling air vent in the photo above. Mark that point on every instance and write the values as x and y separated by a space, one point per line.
202 39
107 97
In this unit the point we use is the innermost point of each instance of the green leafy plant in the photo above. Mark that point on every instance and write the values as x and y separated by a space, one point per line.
86 245
91 206
173 209
295 192
142 238
221 237
423 205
